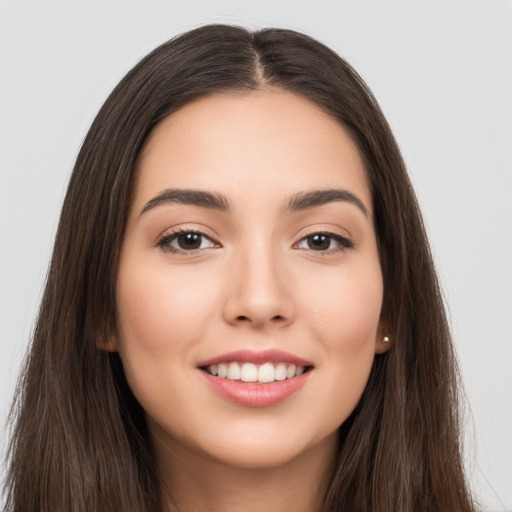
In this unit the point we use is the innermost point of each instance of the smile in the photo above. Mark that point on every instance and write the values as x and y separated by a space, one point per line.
256 379
250 372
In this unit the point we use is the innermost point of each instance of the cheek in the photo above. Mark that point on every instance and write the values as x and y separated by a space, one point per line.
344 319
162 311
345 310
341 312
161 315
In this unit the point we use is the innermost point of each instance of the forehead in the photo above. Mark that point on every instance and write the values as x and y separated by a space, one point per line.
266 144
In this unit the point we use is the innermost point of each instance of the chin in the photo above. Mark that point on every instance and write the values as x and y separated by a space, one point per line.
250 457
260 451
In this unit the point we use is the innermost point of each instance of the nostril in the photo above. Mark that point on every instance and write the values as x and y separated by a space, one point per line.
261 320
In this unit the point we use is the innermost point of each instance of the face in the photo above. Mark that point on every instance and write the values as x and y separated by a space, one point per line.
249 286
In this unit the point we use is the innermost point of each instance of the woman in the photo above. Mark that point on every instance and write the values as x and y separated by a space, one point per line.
241 310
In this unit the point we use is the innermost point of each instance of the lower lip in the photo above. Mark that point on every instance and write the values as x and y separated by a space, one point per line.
255 394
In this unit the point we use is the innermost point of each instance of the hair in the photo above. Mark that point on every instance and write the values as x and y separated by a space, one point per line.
79 437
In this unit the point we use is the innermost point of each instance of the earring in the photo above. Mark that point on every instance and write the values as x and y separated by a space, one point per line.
385 339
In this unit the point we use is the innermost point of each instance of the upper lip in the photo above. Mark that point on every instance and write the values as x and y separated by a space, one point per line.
256 357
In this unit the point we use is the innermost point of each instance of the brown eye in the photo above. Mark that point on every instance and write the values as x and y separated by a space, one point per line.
189 241
319 242
323 242
185 242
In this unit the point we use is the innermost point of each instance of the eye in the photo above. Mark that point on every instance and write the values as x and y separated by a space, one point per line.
185 241
325 242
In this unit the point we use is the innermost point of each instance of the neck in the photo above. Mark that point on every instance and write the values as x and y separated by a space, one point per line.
196 483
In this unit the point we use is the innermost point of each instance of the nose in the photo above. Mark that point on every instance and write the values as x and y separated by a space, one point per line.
258 294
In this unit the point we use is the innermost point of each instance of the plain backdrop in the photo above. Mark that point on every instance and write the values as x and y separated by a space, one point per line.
442 72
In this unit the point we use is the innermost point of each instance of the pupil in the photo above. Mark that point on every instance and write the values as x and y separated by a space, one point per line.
189 241
317 242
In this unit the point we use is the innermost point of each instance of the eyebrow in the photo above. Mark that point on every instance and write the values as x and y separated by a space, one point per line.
211 200
216 201
307 200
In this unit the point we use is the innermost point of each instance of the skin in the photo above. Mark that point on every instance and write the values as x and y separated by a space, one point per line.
254 283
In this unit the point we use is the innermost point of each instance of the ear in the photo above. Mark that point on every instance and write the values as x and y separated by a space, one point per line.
110 345
109 342
384 339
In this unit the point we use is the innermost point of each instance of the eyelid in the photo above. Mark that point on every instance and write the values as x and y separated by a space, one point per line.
344 242
164 240
190 227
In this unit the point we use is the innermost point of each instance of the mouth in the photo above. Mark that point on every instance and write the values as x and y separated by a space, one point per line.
256 378
265 373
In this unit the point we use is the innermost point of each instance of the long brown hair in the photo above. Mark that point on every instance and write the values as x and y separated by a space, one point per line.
80 442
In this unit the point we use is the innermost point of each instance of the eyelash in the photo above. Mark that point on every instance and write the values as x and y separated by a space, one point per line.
165 241
344 243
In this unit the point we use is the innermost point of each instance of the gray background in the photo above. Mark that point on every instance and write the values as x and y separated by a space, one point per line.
442 71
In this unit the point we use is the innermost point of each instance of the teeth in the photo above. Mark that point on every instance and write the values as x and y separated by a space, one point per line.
249 372
280 373
223 370
290 372
266 373
233 371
